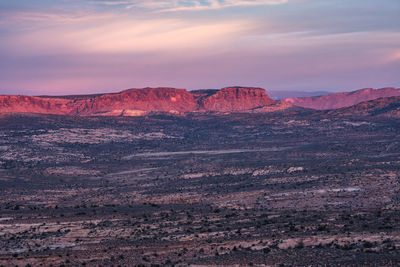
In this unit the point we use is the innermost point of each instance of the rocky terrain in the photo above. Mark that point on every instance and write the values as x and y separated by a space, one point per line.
236 99
137 102
167 177
291 187
142 102
341 100
387 106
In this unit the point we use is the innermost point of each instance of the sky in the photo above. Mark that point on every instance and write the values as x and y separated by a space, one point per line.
61 47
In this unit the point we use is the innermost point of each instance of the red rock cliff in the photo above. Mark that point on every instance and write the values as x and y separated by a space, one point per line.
31 104
147 99
235 99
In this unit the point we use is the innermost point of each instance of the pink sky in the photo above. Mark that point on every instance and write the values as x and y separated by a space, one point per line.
82 46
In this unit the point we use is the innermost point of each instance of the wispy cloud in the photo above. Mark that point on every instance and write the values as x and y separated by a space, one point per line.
394 56
127 35
85 44
52 18
215 4
189 5
113 3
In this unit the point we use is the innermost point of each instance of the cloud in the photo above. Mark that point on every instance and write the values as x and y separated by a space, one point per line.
396 55
155 35
215 4
392 55
50 18
113 3
189 5
127 35
93 44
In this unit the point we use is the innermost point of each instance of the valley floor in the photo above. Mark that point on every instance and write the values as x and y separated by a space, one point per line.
240 189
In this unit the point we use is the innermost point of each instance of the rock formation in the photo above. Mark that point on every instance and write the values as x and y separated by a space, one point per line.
135 102
340 100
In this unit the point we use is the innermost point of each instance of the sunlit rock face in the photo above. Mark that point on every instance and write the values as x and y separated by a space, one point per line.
135 102
340 100
236 99
30 104
139 102
148 99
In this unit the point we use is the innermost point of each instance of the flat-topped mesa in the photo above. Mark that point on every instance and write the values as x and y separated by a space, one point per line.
31 104
340 100
235 99
137 102
147 99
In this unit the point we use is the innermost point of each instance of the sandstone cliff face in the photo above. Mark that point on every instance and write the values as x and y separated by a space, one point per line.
134 102
148 99
340 100
236 99
138 102
31 104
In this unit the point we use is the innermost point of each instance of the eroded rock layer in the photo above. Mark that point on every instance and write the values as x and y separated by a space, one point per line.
138 101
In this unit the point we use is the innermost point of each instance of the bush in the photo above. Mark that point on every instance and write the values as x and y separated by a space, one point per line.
300 245
368 244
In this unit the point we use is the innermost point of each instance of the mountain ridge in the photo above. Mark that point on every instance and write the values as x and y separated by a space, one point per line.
139 102
133 102
384 106
342 99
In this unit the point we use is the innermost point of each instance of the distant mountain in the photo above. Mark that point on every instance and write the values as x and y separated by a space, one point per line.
135 102
278 95
340 100
387 107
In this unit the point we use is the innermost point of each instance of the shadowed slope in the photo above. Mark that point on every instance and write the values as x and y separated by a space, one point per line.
340 100
387 106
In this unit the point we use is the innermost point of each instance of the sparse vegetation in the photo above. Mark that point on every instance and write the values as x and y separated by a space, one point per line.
230 200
